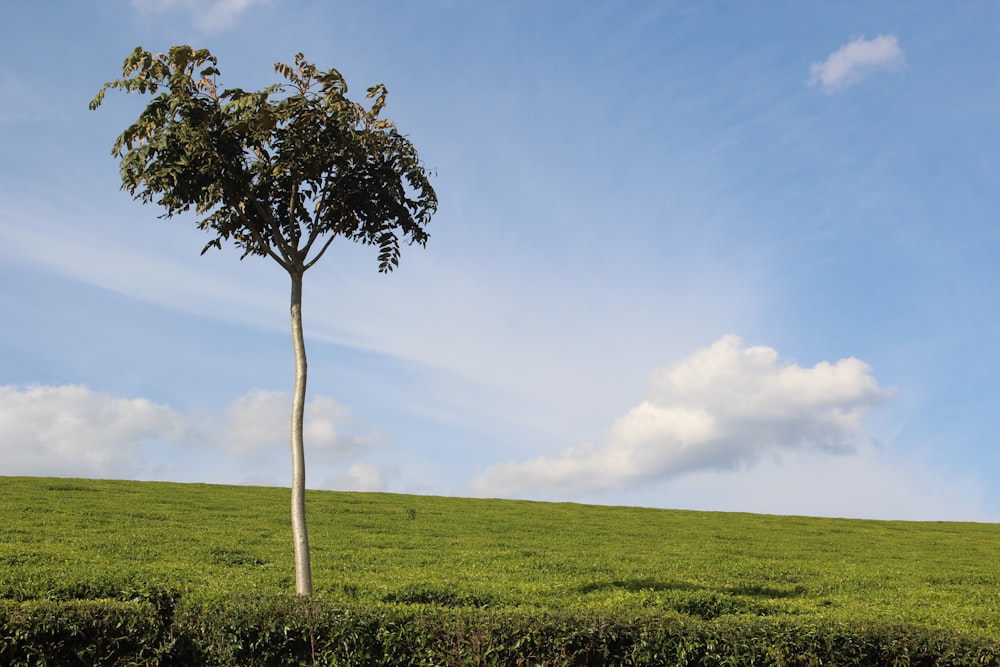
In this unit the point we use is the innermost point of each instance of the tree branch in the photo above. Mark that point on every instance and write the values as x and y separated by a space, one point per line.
321 250
282 243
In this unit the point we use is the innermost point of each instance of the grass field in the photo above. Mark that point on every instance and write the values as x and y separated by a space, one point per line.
70 538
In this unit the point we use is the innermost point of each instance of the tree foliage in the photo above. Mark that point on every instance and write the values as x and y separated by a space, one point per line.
279 172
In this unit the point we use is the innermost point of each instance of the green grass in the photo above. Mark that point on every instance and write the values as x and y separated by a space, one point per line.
71 538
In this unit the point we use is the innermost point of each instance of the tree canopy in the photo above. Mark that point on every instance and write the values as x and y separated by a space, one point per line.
279 172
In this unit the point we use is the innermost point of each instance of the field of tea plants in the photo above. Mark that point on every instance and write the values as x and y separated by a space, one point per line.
66 539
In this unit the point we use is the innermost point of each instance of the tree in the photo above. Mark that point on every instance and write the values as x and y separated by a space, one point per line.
279 172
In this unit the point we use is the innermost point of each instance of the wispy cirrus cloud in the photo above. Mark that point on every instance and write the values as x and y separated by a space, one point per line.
723 407
210 16
857 60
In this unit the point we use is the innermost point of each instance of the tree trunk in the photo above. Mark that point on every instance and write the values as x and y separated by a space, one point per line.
303 568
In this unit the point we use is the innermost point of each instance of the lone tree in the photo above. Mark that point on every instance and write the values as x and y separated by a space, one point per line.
279 172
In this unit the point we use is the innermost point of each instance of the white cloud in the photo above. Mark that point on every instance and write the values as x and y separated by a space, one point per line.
208 16
723 407
855 61
259 420
74 431
71 430
362 477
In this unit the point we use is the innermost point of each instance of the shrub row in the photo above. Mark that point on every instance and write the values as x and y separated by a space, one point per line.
289 631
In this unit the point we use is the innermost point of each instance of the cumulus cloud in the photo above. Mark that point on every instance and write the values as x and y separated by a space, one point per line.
857 60
723 407
210 16
362 477
259 421
71 430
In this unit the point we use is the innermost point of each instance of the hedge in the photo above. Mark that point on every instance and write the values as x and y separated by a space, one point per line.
163 631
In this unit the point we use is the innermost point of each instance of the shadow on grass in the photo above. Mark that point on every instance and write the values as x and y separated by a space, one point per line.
769 592
657 586
637 585
700 601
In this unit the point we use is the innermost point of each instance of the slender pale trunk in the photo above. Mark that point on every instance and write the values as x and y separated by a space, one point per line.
303 568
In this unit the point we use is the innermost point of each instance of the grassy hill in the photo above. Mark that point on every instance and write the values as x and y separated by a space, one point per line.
74 538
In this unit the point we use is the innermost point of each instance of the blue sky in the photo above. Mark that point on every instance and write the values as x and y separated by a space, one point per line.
731 256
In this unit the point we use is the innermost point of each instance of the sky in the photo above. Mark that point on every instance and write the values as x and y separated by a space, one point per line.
728 256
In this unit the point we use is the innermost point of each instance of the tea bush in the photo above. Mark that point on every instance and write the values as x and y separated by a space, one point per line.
287 631
137 573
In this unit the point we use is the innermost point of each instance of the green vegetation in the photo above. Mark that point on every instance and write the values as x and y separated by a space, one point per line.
66 539
138 573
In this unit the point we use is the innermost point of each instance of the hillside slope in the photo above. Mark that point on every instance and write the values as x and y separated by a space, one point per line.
74 538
